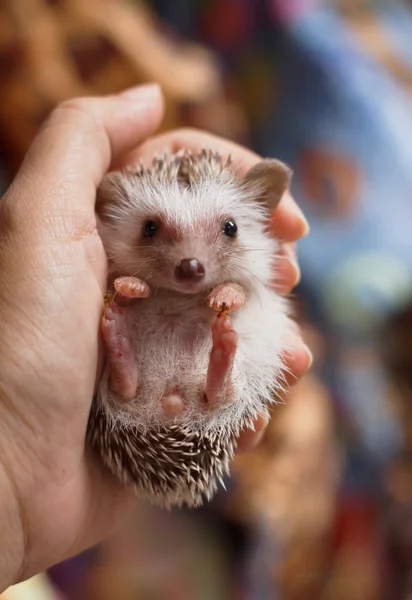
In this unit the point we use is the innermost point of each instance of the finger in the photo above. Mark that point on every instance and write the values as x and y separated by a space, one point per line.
249 439
193 140
287 271
288 221
75 148
297 356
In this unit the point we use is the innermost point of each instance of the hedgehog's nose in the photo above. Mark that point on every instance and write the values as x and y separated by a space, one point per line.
190 269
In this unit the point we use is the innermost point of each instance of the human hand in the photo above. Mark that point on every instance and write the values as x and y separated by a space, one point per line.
55 498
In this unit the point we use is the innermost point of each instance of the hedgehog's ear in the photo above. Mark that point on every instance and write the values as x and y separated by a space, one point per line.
110 194
267 181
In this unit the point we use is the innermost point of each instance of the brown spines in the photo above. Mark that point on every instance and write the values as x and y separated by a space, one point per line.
184 166
195 168
169 466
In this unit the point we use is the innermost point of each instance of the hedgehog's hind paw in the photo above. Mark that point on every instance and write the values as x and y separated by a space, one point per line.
122 364
218 387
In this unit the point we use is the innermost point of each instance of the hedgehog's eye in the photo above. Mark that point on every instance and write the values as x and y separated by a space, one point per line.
150 228
230 228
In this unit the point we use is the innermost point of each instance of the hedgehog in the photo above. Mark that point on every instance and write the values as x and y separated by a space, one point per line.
193 328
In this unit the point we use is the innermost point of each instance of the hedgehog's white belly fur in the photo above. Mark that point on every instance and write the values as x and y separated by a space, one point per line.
172 343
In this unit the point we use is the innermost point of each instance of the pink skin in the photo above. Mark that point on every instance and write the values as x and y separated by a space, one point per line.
131 287
229 296
218 379
123 369
172 403
224 298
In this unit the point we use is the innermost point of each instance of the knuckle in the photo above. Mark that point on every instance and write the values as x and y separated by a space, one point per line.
74 104
80 119
74 111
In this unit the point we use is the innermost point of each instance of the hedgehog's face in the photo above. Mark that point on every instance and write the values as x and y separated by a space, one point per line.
186 238
185 256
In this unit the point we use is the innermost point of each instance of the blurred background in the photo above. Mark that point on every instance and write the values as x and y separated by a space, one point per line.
323 509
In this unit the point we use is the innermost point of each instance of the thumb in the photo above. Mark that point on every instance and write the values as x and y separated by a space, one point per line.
74 149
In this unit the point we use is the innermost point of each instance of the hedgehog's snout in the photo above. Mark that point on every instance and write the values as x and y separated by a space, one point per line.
189 269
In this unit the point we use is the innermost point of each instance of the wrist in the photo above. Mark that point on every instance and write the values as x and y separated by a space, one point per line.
12 537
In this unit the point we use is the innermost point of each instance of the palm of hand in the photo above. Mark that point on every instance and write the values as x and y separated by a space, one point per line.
56 309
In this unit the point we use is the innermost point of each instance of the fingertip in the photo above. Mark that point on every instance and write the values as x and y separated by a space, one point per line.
249 441
249 438
143 111
298 360
287 271
288 221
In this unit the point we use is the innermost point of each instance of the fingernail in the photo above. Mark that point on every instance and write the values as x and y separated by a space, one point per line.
142 93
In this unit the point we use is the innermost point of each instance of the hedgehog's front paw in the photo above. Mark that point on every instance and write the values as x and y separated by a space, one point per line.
219 375
228 296
131 287
122 364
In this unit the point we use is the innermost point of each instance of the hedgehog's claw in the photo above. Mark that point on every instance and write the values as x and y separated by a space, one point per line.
122 364
219 375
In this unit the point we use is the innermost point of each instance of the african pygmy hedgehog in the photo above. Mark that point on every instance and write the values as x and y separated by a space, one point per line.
193 329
